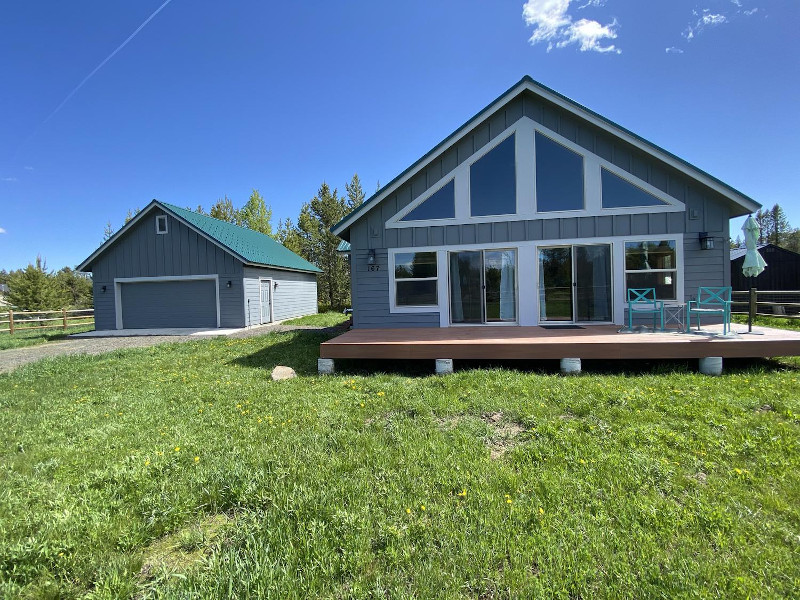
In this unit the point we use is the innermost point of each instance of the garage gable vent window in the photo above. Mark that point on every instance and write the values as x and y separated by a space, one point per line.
161 224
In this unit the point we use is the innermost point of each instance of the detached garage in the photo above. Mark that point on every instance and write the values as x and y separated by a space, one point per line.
171 267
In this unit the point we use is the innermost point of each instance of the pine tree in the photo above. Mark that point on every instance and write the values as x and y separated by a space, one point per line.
355 195
108 231
319 244
780 226
74 288
289 236
33 288
224 211
256 214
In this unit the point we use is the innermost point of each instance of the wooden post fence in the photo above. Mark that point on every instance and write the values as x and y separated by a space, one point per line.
10 321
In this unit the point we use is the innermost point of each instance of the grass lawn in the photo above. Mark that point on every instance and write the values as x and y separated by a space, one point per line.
325 319
183 471
763 321
32 336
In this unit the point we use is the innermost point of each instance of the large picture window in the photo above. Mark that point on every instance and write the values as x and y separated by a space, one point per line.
493 181
559 176
652 264
415 279
620 193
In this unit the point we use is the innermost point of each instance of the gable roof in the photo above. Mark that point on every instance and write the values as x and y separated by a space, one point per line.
737 253
527 83
251 247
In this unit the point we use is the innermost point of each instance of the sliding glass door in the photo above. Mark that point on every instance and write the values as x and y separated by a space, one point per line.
483 286
575 283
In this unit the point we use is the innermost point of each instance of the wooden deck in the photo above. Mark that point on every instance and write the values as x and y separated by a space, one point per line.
591 342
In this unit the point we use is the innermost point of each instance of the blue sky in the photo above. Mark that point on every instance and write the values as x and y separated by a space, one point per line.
213 98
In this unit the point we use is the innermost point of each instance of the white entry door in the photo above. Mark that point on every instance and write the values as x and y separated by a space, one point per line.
266 300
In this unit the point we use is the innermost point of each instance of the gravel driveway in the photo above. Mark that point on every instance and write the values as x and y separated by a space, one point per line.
16 357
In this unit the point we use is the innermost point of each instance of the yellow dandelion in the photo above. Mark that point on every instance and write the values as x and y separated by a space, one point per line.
541 510
381 393
362 405
462 493
177 448
583 462
147 463
509 500
196 459
422 507
408 511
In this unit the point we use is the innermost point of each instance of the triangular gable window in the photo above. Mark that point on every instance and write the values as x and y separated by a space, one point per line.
440 205
619 193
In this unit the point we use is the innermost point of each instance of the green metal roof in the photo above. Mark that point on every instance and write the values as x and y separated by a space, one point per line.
368 204
253 247
343 246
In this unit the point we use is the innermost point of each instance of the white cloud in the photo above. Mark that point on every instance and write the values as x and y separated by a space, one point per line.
593 3
553 25
709 19
28 168
2 230
673 50
750 12
10 179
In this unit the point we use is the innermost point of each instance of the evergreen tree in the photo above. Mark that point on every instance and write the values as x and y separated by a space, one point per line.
780 227
131 214
75 289
33 288
256 215
224 211
355 195
289 236
319 244
108 231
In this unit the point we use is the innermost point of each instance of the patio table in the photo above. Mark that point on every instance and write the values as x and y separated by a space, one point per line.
675 314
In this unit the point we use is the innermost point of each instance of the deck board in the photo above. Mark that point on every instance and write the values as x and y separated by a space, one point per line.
591 342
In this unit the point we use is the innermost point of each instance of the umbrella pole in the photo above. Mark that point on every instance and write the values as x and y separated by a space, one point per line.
750 307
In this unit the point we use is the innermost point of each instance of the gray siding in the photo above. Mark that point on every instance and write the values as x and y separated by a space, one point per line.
295 296
370 290
141 252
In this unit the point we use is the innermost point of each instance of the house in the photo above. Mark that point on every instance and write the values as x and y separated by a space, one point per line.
782 272
171 267
537 211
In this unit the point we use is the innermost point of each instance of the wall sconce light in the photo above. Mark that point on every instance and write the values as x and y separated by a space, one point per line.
706 241
274 285
371 257
229 284
104 289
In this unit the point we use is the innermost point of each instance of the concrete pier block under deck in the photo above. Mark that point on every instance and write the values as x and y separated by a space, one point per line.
711 365
570 366
325 366
444 366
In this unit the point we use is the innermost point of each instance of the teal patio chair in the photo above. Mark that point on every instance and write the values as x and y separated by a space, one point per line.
643 301
710 301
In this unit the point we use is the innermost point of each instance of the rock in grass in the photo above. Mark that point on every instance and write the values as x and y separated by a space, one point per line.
280 373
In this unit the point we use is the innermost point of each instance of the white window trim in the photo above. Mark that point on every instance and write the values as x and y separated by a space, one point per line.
271 301
118 281
162 219
525 167
515 322
675 270
528 274
393 306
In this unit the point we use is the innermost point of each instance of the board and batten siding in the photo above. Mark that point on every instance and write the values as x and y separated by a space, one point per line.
706 211
295 295
141 252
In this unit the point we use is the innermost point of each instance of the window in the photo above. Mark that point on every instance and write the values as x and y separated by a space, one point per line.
559 176
493 181
619 193
415 279
652 265
161 224
440 205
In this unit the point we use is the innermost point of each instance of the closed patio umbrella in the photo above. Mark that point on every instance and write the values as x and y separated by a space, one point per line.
754 263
